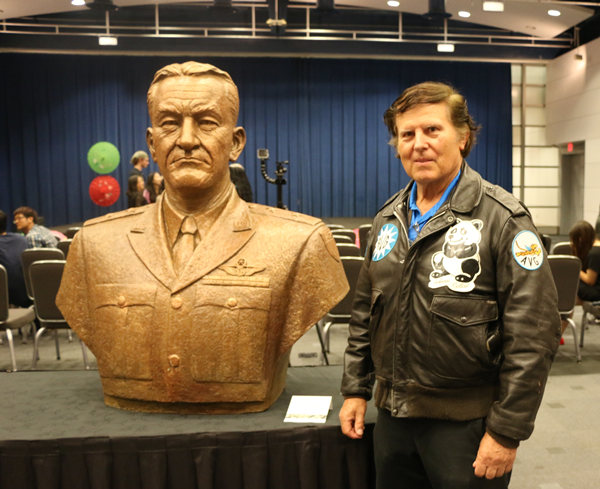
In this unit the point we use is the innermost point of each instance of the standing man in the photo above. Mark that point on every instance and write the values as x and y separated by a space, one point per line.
38 236
139 161
11 247
192 304
455 313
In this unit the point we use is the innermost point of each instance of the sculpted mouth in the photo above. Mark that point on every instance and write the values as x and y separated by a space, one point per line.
187 160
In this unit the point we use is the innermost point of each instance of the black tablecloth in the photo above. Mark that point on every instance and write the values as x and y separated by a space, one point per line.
56 432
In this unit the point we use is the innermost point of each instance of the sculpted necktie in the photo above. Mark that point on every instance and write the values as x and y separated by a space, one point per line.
185 244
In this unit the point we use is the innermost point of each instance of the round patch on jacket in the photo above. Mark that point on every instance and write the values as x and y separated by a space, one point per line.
386 239
527 250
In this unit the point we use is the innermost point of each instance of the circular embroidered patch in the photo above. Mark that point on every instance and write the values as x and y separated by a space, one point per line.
527 250
386 239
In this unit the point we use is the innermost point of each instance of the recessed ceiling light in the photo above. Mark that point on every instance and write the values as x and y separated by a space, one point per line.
108 41
493 6
464 14
78 3
393 3
445 47
554 13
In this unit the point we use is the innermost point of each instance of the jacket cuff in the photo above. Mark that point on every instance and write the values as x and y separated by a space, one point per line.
503 440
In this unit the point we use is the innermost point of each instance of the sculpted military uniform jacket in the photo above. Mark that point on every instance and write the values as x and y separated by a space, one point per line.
217 337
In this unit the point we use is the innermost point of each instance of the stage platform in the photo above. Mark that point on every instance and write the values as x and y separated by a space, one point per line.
56 432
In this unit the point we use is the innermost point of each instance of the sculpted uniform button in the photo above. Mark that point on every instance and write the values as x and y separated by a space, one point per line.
174 361
121 300
176 302
232 302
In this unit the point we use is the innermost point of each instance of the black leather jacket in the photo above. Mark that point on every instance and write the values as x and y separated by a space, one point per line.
464 322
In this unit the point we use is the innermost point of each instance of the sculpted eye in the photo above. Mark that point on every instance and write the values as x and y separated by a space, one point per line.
208 124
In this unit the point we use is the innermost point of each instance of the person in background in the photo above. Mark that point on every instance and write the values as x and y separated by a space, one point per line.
135 188
139 160
11 247
240 180
586 246
154 187
455 312
38 236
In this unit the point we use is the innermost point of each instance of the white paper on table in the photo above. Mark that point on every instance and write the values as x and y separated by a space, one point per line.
308 409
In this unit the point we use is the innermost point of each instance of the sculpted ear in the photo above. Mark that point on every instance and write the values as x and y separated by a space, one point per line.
239 142
150 141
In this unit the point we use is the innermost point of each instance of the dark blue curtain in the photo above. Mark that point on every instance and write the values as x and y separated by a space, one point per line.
322 115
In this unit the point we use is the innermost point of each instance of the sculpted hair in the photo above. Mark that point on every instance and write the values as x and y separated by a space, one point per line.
582 237
27 212
3 221
137 156
193 68
433 93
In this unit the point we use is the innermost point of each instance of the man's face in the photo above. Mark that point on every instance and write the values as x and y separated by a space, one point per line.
193 135
429 145
145 162
22 223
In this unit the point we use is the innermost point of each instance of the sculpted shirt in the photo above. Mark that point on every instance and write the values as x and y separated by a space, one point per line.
216 337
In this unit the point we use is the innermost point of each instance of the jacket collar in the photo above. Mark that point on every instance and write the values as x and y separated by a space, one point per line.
148 239
465 197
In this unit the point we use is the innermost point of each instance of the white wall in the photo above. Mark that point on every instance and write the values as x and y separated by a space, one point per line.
573 113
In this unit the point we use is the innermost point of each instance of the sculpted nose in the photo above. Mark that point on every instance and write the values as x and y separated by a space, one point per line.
188 138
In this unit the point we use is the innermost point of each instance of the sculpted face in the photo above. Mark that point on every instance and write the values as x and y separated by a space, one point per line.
193 135
429 145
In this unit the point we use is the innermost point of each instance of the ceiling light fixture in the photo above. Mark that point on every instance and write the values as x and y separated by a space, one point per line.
493 6
464 14
78 3
108 41
393 3
554 13
445 47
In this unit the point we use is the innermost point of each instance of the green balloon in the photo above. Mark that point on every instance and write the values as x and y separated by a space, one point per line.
103 157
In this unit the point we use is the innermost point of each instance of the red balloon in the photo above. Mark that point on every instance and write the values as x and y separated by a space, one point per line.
104 190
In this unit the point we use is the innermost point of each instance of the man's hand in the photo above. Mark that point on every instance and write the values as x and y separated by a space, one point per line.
352 417
493 460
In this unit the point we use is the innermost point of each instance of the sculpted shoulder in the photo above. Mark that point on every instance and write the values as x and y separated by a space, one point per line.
113 216
283 215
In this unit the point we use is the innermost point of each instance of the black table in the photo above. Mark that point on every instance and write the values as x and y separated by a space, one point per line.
56 433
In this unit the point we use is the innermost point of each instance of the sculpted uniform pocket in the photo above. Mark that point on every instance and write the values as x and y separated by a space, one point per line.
457 343
122 333
229 331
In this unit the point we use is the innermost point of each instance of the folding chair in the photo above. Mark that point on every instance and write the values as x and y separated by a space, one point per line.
561 248
348 249
34 254
64 246
45 281
12 317
565 271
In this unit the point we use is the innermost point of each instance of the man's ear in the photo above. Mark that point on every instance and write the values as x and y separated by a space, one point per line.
239 142
150 141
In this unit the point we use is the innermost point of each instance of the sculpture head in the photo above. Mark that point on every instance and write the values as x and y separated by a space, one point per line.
193 110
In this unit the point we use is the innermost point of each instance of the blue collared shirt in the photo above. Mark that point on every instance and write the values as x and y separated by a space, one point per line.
417 220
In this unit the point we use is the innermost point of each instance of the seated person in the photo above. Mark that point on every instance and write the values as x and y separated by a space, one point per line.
38 236
135 187
154 187
586 246
11 247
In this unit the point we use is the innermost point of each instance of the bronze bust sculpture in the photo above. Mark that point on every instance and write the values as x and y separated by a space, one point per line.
193 303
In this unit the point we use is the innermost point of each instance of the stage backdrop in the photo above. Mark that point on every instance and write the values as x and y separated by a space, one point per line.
324 116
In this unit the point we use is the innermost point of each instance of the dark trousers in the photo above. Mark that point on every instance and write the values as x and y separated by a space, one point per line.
418 453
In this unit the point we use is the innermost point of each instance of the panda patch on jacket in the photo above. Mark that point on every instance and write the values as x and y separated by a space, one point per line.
458 264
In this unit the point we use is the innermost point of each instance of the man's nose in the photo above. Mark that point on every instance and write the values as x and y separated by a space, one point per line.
420 140
188 137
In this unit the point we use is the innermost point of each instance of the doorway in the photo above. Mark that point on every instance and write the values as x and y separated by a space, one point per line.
572 169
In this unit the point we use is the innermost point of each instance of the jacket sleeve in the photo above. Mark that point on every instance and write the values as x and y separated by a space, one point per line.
359 377
531 331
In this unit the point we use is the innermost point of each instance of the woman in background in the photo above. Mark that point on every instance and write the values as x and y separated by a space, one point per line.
135 186
586 246
154 187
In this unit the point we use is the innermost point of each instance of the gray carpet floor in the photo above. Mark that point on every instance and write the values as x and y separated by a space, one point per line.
563 452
